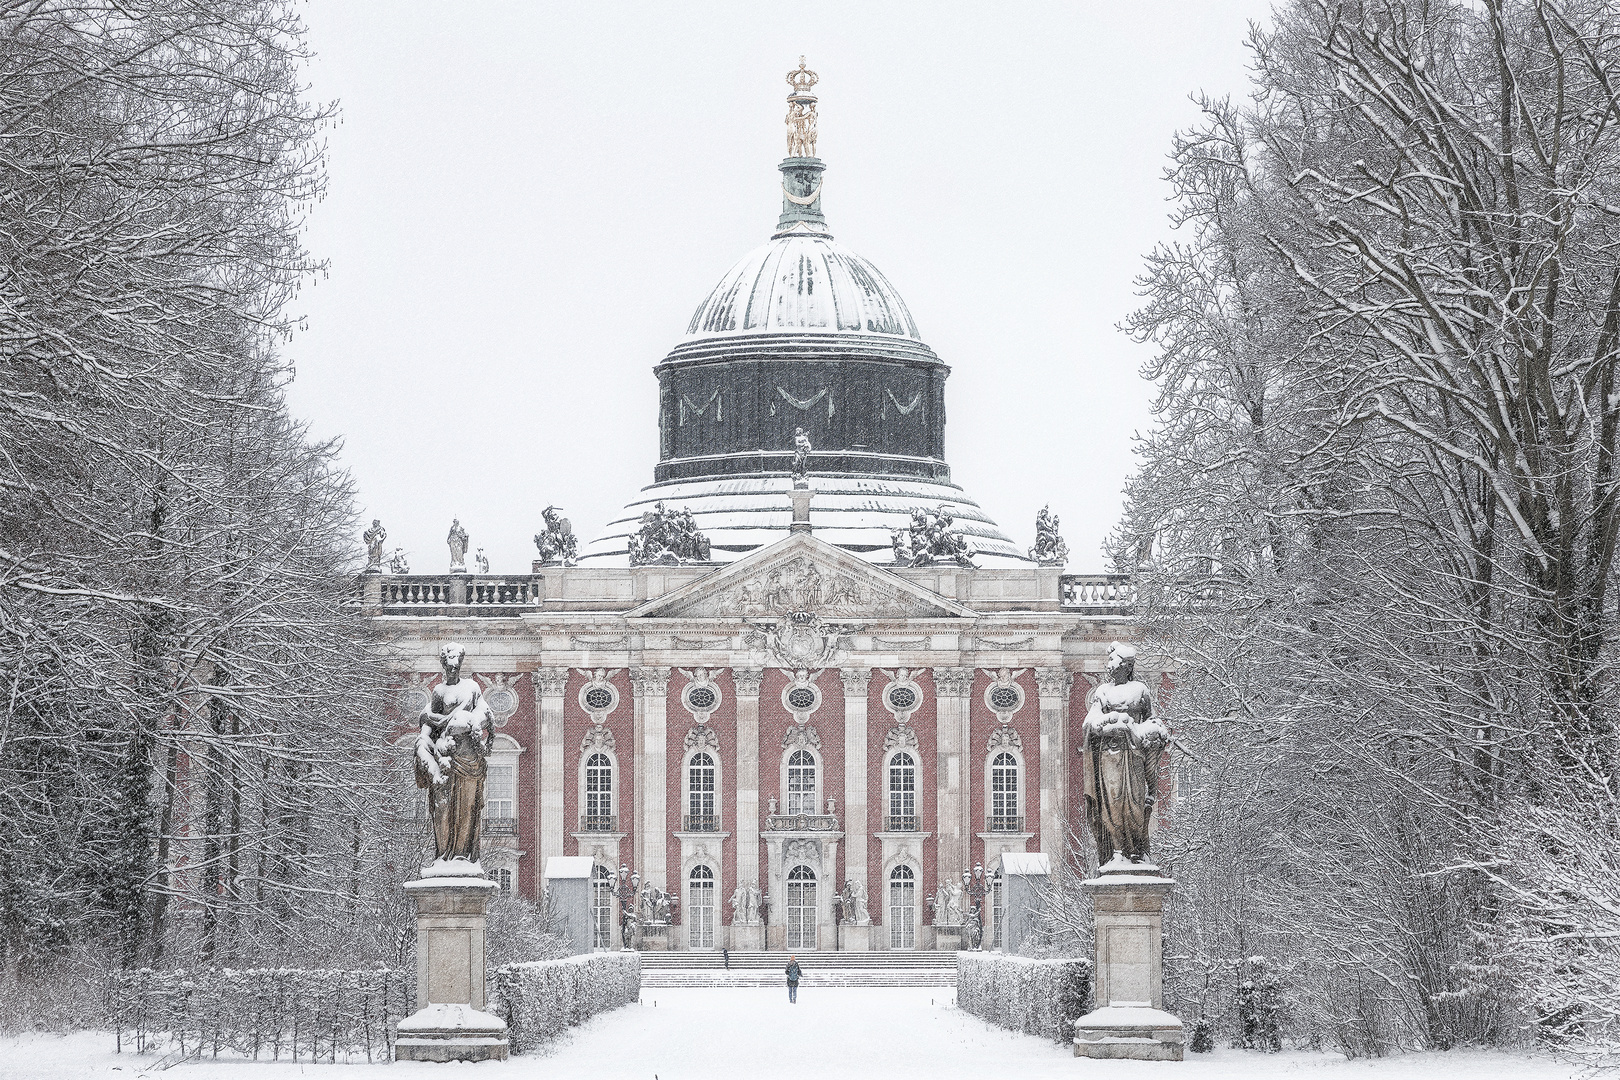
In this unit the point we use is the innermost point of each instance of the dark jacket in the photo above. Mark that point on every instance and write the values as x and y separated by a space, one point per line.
793 971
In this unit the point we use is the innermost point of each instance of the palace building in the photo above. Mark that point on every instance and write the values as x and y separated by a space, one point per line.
804 682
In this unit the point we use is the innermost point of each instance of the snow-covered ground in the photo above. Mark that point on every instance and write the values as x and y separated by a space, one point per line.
832 1033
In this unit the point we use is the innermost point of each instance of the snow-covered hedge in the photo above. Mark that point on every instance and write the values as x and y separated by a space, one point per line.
1037 997
274 1013
540 1000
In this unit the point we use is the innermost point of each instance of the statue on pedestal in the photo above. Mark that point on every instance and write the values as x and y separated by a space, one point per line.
557 544
398 563
452 752
458 547
625 891
1049 549
801 458
374 538
1122 743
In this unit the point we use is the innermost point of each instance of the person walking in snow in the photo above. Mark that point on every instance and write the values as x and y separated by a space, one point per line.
793 980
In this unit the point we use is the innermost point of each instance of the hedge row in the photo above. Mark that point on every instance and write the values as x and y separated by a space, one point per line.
1037 997
274 1013
540 1000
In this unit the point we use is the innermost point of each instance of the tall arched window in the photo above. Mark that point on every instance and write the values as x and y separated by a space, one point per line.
700 812
700 907
801 790
598 815
902 816
902 908
801 908
1004 794
601 907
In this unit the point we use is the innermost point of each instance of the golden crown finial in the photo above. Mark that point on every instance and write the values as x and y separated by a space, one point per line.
803 79
801 116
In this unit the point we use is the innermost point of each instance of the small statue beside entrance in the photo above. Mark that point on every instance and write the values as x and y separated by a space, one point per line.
625 891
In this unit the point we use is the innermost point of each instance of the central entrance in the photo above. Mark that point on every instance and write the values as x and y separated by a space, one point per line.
801 908
701 908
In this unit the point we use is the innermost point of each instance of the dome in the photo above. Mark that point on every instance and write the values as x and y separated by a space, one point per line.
800 283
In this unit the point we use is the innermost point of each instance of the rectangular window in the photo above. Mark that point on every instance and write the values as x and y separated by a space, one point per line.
500 793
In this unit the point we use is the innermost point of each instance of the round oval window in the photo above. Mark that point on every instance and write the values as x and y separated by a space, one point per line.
1004 697
701 697
599 697
902 697
801 697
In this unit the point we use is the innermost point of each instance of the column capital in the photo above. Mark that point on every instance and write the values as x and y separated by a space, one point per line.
953 681
650 680
747 680
549 682
855 681
1053 682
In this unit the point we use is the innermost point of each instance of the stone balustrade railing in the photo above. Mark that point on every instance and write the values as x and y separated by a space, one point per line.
1096 594
485 594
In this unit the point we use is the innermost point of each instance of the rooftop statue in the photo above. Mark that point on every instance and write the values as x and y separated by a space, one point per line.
931 539
1122 743
374 538
801 457
557 544
458 547
801 116
398 563
481 561
668 538
452 752
1049 549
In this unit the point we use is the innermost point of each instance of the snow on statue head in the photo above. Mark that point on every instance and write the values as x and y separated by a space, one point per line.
1122 657
450 658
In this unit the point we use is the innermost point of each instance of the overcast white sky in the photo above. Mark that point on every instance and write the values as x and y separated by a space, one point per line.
528 201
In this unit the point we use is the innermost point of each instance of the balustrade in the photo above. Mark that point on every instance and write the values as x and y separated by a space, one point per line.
702 823
1103 594
900 824
500 826
599 823
1005 824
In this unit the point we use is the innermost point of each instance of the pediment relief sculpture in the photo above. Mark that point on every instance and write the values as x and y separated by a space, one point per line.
809 582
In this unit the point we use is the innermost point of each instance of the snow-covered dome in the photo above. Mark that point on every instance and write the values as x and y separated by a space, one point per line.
803 282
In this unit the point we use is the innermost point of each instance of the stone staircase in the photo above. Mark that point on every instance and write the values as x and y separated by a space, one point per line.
659 969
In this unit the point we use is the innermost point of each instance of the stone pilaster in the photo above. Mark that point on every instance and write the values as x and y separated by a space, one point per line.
550 776
747 681
856 829
1053 684
652 827
951 686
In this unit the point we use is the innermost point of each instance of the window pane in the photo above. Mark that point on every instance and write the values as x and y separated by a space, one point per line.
500 791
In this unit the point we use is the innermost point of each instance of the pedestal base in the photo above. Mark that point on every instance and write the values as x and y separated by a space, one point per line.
855 937
451 1033
747 937
948 938
450 1023
1134 1032
655 937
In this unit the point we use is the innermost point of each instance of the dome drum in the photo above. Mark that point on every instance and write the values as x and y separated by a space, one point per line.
739 418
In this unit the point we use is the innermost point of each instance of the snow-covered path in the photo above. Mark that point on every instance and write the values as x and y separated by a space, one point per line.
831 1034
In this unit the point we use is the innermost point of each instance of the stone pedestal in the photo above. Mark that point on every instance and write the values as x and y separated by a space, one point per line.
1129 1020
855 937
1023 877
568 890
654 937
747 937
450 1023
948 938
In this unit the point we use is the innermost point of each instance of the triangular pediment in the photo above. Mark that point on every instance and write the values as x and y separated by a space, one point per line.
802 573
